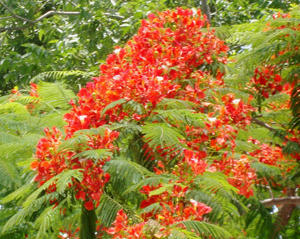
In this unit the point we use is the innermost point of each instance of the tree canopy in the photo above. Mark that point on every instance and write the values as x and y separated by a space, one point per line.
190 130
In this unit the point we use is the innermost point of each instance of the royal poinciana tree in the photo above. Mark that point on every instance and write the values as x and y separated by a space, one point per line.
158 146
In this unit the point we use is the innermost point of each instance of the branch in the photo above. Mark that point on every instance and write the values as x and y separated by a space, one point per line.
263 124
13 14
52 12
284 201
31 22
4 18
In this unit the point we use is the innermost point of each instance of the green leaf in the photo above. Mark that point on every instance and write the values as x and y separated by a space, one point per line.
161 134
55 95
61 180
266 170
152 180
74 143
125 173
169 103
206 229
95 154
215 182
19 193
107 210
112 105
13 107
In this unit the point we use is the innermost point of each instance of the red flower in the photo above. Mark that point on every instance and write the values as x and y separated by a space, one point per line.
89 205
33 90
80 195
15 90
34 164
266 81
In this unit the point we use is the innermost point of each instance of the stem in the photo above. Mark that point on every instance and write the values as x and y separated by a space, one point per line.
88 223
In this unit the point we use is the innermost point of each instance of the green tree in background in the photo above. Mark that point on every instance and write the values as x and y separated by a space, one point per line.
77 35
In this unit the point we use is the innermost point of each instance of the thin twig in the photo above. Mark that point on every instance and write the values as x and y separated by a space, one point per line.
4 18
29 21
52 12
13 14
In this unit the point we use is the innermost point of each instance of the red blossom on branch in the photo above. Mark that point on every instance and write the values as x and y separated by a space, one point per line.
170 57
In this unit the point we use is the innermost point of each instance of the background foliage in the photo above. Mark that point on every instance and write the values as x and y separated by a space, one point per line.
82 40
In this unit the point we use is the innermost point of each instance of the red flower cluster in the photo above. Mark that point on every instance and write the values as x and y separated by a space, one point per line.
68 233
33 90
266 81
280 15
243 176
121 229
173 205
169 49
273 155
173 208
295 138
239 172
195 161
235 111
15 90
267 154
170 57
50 161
